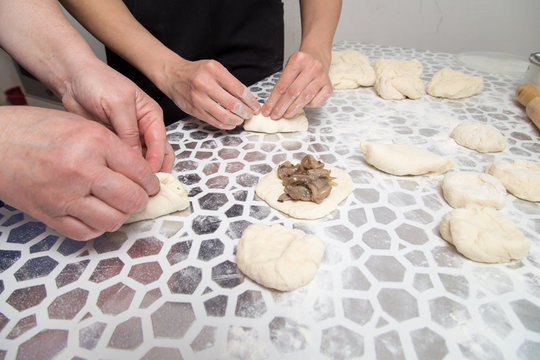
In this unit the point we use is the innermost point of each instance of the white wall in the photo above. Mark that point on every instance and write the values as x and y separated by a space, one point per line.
453 26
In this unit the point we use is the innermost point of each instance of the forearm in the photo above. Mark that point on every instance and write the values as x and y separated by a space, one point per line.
112 23
319 23
37 34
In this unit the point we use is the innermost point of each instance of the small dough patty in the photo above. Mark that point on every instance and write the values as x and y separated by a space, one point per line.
484 235
467 188
480 137
521 178
279 257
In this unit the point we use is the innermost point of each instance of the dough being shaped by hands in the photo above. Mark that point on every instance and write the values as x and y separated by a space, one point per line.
350 69
452 84
467 188
171 197
270 187
484 235
279 257
264 124
521 178
402 159
477 136
398 79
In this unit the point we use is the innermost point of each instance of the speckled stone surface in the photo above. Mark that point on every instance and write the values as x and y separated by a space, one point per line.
389 286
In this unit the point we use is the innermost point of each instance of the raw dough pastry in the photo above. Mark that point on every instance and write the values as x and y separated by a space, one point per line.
398 79
350 69
477 136
452 84
466 188
279 257
484 235
261 123
401 159
171 197
270 188
521 178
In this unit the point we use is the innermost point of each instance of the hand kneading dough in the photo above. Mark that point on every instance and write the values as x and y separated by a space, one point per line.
451 84
279 257
480 137
261 123
171 197
270 188
466 188
350 69
401 159
521 178
484 235
398 79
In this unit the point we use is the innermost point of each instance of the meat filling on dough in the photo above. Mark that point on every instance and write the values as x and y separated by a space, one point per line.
305 181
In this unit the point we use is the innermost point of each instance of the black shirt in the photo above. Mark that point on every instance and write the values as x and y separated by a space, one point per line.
245 36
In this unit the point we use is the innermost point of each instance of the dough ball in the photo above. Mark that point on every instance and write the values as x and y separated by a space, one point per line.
484 235
401 159
264 124
466 188
279 257
521 178
270 188
171 197
398 79
452 84
477 136
350 69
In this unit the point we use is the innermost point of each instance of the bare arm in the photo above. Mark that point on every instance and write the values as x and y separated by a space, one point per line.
319 23
305 80
37 34
204 89
65 171
30 32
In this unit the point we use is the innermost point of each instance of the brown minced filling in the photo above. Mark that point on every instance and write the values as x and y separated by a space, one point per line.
305 181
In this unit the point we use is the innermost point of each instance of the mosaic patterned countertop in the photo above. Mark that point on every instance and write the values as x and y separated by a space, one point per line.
389 286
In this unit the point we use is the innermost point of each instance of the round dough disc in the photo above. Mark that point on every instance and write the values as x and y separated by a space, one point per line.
521 178
477 136
452 84
484 235
465 188
270 188
279 257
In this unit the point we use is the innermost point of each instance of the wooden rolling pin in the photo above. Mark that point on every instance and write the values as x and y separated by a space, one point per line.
528 95
533 111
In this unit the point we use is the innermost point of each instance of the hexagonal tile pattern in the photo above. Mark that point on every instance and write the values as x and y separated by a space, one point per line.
388 287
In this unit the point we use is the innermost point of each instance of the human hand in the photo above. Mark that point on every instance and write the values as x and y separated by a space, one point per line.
71 173
100 93
304 82
208 91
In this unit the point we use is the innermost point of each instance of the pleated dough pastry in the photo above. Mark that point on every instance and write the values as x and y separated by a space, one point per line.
171 197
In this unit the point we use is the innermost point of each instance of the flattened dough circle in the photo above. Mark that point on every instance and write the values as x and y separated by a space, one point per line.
270 188
279 257
484 235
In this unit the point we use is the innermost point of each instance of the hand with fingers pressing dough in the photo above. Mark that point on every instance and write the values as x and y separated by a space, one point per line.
65 171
